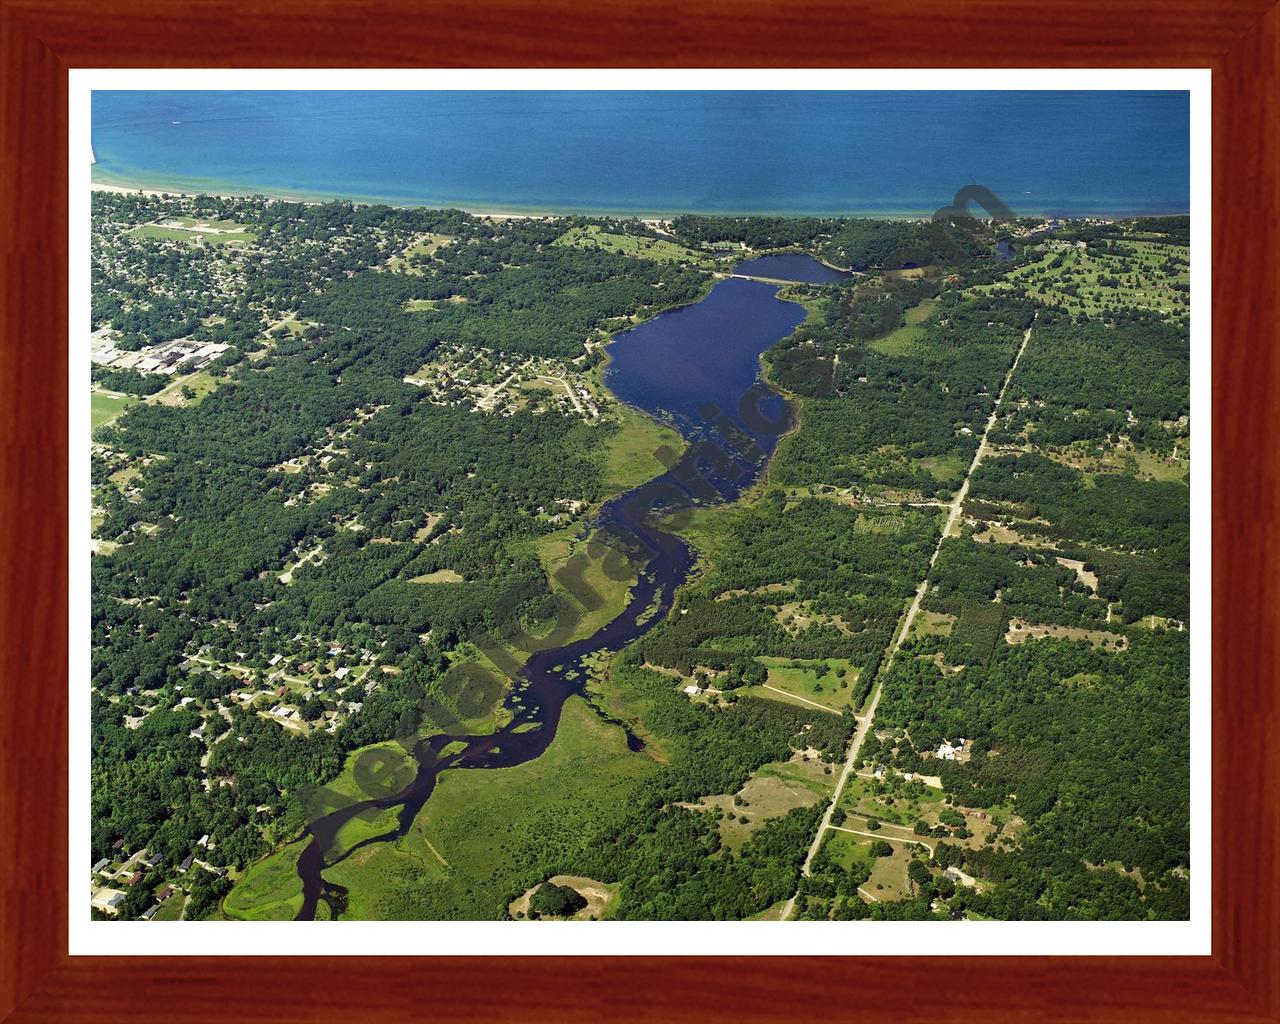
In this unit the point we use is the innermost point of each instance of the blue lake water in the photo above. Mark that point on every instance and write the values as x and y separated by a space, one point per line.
790 266
678 363
1073 152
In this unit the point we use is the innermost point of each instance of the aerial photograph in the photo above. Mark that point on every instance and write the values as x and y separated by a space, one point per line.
522 505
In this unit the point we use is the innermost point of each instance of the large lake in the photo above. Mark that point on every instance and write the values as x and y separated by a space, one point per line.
677 364
660 152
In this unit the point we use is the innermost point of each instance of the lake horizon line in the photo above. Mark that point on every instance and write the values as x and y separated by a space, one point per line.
106 181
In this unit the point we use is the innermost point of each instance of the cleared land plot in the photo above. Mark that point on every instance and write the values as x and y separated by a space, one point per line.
774 790
171 909
421 305
905 339
201 384
929 623
660 250
196 234
105 406
439 576
1020 632
798 677
888 874
895 802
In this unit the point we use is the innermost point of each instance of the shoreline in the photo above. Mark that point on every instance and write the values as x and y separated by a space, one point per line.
495 211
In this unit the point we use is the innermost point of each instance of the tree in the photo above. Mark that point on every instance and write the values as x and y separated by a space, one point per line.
553 900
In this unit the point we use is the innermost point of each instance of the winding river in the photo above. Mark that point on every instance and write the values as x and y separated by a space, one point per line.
697 368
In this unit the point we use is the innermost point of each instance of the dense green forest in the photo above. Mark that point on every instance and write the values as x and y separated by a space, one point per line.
296 543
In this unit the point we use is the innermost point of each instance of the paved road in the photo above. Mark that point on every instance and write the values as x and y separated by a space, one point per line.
864 723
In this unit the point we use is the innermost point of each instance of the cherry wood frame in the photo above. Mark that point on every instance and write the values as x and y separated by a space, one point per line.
41 39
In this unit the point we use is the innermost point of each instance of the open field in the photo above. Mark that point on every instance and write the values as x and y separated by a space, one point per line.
799 677
893 801
269 890
659 250
171 909
201 384
105 406
904 340
772 791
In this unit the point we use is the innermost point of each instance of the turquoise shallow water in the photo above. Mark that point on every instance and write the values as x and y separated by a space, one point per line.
1069 153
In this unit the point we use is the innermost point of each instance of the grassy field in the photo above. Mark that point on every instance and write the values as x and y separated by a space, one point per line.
629 457
212 222
122 477
360 828
194 234
104 406
475 845
893 801
903 340
799 677
202 383
944 467
269 890
641 247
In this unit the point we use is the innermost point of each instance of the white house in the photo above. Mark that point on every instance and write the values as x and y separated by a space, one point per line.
946 752
692 690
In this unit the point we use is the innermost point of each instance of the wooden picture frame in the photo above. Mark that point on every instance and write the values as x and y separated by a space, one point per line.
41 39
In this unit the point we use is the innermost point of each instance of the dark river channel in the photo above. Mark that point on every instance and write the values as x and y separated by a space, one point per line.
697 368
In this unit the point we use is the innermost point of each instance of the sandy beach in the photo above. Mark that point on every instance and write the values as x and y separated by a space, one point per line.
102 186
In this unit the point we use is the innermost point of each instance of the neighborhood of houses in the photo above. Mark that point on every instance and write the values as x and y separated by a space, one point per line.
495 382
112 877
